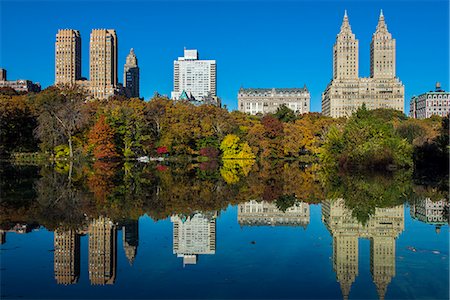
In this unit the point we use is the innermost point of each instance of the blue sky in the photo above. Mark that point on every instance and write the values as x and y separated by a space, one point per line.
255 43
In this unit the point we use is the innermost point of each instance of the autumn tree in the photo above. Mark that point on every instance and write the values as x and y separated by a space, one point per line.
101 139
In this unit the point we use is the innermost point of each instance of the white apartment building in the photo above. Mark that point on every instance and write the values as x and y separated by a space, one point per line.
430 103
263 101
195 76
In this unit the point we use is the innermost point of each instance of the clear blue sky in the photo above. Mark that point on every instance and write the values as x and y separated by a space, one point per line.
255 43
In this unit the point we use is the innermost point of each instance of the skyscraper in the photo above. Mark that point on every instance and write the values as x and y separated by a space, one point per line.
66 256
194 235
130 239
347 91
67 56
103 63
102 251
383 227
195 76
131 75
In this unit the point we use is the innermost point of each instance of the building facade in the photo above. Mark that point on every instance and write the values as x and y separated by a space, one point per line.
263 213
432 103
347 91
20 85
262 101
67 256
430 212
131 75
102 251
194 235
67 57
103 63
195 76
382 229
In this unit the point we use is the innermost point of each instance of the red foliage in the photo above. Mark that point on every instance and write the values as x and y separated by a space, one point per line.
209 152
101 137
161 168
272 126
162 150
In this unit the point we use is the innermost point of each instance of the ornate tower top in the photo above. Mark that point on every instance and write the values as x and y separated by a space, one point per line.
382 30
131 59
345 27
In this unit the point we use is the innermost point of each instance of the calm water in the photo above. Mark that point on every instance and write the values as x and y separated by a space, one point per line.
217 231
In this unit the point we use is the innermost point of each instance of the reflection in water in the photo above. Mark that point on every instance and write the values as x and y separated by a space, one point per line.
256 213
67 256
130 239
102 251
194 235
382 229
431 212
192 199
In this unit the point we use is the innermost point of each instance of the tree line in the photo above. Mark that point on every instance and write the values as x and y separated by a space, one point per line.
61 124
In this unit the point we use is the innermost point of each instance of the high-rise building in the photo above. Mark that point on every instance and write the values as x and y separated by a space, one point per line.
194 235
347 91
195 76
131 75
66 256
263 213
67 56
102 251
383 227
260 100
103 63
130 239
432 103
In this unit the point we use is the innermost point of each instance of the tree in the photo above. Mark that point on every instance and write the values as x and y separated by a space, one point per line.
101 138
61 116
232 148
285 114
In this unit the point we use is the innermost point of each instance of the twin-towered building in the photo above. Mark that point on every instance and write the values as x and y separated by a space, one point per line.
347 91
103 64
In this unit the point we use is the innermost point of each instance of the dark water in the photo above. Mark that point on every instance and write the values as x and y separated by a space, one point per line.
211 230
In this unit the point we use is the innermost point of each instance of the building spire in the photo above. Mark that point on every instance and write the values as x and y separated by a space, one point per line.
381 26
345 27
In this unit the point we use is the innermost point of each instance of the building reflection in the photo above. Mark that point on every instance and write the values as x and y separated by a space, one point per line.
20 228
66 256
102 251
383 227
194 235
257 213
430 212
130 239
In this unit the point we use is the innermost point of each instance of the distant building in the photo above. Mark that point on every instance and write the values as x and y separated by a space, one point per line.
194 235
103 51
20 85
382 229
66 256
195 76
347 91
431 212
429 104
130 239
262 100
131 75
102 251
263 213
67 57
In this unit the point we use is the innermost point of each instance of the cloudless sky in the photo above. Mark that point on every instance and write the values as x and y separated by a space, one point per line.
255 43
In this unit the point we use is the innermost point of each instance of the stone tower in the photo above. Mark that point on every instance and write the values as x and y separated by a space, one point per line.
67 56
345 53
131 75
382 52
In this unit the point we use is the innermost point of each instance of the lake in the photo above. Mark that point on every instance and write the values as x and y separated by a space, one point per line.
221 230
